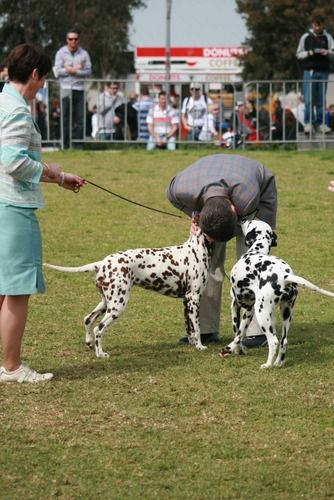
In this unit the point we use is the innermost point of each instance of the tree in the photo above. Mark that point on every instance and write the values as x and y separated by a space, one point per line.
103 26
275 27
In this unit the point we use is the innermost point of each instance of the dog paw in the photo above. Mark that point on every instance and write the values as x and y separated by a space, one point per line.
102 355
201 347
90 345
265 366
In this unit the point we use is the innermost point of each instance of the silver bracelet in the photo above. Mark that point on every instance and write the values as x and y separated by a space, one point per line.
61 179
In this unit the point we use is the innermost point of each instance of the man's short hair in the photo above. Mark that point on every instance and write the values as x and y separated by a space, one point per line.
217 219
76 31
318 19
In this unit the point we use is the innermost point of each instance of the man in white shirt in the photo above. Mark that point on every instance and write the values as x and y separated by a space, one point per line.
194 112
162 123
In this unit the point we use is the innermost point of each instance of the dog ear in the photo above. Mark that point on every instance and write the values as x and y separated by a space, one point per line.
250 238
274 239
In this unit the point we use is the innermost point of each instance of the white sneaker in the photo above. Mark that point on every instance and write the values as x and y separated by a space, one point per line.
323 129
23 374
308 128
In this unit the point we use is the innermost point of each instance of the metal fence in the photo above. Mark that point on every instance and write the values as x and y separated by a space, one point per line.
252 113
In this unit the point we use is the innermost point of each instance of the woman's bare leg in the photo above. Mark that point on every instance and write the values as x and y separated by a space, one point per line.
13 318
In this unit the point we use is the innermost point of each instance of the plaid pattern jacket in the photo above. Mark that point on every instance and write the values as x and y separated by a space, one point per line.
20 147
247 183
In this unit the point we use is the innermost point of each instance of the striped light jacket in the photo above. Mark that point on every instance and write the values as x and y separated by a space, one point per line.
20 149
247 183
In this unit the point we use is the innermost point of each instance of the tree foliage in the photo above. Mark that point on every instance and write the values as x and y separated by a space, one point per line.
275 27
103 26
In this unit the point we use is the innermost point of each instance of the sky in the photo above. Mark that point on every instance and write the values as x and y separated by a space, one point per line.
194 23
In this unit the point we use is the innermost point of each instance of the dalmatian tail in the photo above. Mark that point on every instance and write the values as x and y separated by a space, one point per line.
298 280
94 266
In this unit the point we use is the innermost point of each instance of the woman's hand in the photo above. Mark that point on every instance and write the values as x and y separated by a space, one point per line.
52 173
71 181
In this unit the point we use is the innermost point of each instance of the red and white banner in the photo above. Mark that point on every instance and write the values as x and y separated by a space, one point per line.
201 63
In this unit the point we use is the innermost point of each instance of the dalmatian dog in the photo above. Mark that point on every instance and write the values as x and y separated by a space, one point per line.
259 282
177 271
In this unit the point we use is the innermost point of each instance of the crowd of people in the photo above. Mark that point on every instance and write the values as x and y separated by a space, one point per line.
159 119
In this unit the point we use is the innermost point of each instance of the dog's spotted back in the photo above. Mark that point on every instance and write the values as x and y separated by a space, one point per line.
178 271
259 282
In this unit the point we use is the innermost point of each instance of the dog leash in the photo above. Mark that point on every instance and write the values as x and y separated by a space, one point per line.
134 202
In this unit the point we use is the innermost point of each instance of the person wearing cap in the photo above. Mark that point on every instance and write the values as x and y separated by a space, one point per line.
218 191
194 112
314 50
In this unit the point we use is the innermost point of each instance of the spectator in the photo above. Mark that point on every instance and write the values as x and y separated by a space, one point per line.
174 100
209 131
220 103
21 172
55 119
94 124
229 139
277 122
143 105
299 112
250 112
242 126
284 123
109 122
3 75
314 49
330 117
127 114
162 123
41 118
194 112
72 66
221 190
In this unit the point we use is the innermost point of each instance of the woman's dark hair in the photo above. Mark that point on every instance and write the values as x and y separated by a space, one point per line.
217 219
24 58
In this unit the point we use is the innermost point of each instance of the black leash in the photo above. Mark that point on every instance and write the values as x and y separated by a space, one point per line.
134 202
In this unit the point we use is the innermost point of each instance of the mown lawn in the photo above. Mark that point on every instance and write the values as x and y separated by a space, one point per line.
159 420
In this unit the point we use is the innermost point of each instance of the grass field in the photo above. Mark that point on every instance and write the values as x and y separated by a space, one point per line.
159 420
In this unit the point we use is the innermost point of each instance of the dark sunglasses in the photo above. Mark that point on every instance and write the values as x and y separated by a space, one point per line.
73 38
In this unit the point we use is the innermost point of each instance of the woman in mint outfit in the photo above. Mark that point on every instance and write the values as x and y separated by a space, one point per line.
21 172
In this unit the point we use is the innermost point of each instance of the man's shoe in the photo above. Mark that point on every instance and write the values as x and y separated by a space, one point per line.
210 338
206 338
308 128
24 374
323 129
256 341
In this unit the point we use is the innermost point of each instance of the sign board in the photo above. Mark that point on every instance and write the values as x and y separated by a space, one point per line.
205 64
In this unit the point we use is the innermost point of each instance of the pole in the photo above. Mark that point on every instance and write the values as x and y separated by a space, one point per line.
167 74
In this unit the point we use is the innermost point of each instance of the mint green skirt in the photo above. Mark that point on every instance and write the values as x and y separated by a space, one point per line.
20 252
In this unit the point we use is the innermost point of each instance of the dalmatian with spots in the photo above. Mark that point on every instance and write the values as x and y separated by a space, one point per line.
177 271
259 282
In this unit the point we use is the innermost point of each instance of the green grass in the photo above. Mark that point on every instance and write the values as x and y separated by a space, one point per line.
159 420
